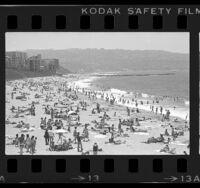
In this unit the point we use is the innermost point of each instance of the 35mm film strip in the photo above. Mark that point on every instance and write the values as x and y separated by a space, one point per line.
97 94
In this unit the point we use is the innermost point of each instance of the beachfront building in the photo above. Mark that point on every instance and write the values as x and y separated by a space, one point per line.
37 64
33 63
16 60
19 60
9 62
50 65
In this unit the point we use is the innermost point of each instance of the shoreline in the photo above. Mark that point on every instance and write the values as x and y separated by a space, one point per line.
88 83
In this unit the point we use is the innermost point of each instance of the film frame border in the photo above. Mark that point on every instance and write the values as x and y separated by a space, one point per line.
154 168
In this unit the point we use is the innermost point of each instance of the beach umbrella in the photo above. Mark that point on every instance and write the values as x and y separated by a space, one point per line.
72 113
59 131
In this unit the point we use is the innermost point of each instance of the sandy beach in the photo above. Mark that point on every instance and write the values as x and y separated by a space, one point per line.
74 93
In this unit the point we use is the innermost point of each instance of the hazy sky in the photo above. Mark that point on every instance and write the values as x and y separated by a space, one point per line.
168 41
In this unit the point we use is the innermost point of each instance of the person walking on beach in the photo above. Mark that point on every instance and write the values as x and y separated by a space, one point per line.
46 136
79 143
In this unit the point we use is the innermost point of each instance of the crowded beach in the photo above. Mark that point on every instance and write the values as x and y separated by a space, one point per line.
64 116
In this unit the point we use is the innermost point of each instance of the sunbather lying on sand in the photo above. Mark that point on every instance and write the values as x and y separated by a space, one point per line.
155 140
166 149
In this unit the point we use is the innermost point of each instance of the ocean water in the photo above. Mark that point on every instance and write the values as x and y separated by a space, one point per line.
176 85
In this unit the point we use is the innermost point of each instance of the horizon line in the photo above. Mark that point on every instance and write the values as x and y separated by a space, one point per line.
98 49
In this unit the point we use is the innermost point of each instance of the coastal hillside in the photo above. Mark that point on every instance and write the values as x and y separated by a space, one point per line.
104 60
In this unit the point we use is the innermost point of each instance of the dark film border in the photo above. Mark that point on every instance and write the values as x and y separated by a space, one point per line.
101 168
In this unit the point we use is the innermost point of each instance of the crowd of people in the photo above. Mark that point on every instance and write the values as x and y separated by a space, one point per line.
70 115
25 142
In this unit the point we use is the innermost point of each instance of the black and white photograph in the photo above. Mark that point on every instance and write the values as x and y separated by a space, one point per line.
97 93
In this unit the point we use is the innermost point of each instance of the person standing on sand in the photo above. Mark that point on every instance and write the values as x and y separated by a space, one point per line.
79 143
166 132
69 128
27 143
161 110
168 115
16 141
120 127
186 118
12 95
45 121
113 128
128 111
156 110
51 137
21 144
60 137
98 108
52 113
75 134
86 133
95 149
172 133
32 145
111 139
46 136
